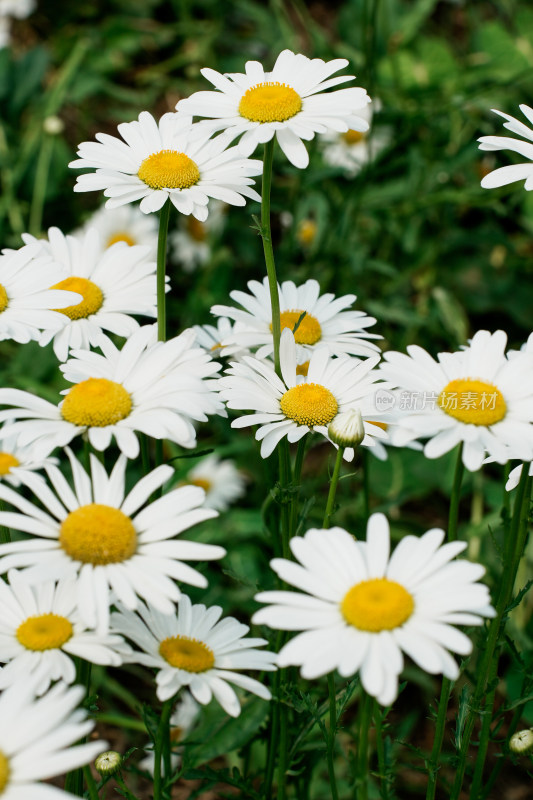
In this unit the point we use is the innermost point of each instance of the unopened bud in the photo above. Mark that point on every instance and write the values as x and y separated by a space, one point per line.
53 125
522 742
347 429
108 763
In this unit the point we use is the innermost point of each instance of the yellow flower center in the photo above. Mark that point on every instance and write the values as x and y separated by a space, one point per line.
202 483
377 605
121 236
44 632
98 534
309 404
96 403
4 772
185 653
196 229
7 461
4 300
473 402
169 169
306 232
302 369
353 137
270 102
92 297
307 332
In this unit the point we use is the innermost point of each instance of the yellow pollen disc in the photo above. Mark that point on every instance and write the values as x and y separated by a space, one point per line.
44 632
473 402
309 404
7 461
98 534
121 236
92 297
96 403
382 425
4 300
270 102
353 137
306 232
196 229
377 605
202 483
4 772
188 654
169 169
302 369
308 331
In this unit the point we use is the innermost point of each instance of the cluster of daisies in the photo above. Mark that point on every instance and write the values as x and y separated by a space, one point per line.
96 568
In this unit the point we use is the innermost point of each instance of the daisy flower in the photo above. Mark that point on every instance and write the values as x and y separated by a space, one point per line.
351 150
477 396
288 103
295 405
195 648
41 631
361 609
36 737
326 320
191 244
221 480
514 172
112 543
182 721
514 476
25 295
210 337
124 224
113 284
170 159
17 461
156 388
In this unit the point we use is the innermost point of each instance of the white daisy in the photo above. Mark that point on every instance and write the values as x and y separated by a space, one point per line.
100 536
296 405
182 721
156 388
191 244
25 295
514 477
113 284
288 102
351 150
326 322
477 396
221 480
195 648
16 461
173 159
361 609
36 737
514 172
124 224
41 630
210 337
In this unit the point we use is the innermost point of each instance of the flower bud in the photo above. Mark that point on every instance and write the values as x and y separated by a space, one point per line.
522 742
347 429
53 125
108 763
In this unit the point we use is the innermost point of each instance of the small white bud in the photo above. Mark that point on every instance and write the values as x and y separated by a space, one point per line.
53 125
108 763
347 429
522 742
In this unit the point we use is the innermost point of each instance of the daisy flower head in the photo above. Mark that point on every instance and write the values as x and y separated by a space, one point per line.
172 159
191 244
26 296
290 103
326 320
41 632
293 405
112 283
477 396
114 544
222 482
36 738
351 150
360 608
196 649
182 721
124 224
524 147
156 388
17 461
214 338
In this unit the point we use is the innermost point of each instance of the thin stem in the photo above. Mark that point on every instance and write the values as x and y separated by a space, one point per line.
296 478
365 463
90 783
365 718
122 783
161 271
161 736
453 514
380 747
333 487
283 751
39 186
266 234
331 736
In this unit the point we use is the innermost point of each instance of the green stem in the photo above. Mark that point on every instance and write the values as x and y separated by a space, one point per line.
274 728
161 271
161 736
121 782
365 717
331 736
333 487
90 782
514 548
380 747
453 514
365 463
266 234
39 185
296 478
283 751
